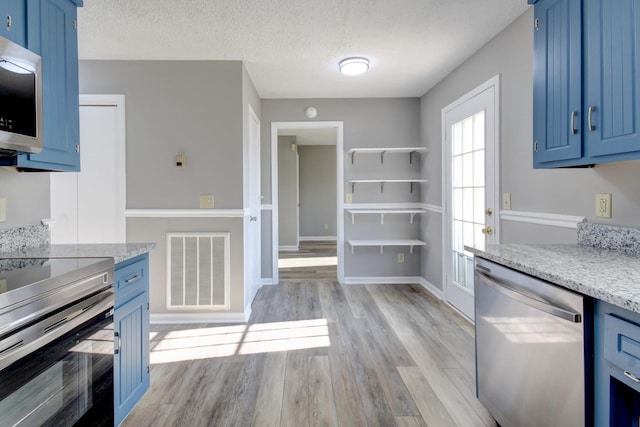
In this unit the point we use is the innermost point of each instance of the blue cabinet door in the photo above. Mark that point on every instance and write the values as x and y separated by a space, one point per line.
131 363
612 71
13 21
557 82
52 33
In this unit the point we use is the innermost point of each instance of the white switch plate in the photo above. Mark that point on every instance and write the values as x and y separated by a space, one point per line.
206 201
3 285
603 205
506 201
326 226
3 209
349 198
400 258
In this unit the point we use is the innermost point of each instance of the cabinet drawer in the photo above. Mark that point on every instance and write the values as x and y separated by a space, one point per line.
131 279
622 344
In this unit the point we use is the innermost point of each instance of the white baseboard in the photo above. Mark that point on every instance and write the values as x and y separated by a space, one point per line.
288 248
182 318
267 281
381 280
318 238
431 288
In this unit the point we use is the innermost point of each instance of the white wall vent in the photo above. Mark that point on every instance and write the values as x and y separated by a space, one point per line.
198 271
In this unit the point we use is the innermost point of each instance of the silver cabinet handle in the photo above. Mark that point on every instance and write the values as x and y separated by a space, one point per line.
571 122
132 279
631 376
117 342
589 114
509 292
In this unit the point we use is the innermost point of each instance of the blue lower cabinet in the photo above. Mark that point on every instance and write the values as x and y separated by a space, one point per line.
131 335
617 366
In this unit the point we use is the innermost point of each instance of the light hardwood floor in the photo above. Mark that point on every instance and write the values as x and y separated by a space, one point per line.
314 260
318 354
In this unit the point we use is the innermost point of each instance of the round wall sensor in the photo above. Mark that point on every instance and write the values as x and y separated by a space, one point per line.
311 112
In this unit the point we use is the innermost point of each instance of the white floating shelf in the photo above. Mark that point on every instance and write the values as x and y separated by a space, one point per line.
382 182
383 212
383 151
382 243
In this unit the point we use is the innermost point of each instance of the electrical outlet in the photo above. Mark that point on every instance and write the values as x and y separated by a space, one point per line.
3 209
206 201
326 226
506 201
349 198
3 285
400 258
603 205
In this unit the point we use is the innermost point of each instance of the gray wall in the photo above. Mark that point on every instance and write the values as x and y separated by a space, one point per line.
155 229
370 122
287 192
177 107
27 195
560 191
318 194
195 108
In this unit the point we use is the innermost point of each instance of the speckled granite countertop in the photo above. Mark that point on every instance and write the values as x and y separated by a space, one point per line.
605 274
118 251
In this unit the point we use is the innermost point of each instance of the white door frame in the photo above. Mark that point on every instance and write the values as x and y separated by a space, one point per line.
277 126
252 248
491 84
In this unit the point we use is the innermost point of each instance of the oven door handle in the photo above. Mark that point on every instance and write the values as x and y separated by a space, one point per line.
508 291
117 342
42 333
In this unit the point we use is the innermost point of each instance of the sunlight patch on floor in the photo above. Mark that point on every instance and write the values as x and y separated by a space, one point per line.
307 262
222 341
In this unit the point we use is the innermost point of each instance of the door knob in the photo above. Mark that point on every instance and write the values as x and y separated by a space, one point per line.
253 218
487 230
489 211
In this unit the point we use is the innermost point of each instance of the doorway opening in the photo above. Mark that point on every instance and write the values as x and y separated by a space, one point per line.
307 192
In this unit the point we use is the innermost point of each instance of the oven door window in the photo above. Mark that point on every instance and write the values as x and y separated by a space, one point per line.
67 382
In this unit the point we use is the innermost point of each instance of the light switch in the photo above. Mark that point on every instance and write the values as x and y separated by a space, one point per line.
349 198
3 209
206 201
401 258
506 201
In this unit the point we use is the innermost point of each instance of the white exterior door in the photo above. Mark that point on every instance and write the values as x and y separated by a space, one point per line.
88 206
470 133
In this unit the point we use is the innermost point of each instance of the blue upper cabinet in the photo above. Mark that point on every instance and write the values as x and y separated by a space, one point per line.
557 81
612 73
13 21
52 34
586 82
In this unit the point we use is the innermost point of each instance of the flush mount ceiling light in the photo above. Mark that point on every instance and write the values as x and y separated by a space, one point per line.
354 66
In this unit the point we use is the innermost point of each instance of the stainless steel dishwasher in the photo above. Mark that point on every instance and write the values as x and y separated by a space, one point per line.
530 353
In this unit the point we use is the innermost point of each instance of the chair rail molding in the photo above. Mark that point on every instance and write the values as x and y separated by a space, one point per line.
542 218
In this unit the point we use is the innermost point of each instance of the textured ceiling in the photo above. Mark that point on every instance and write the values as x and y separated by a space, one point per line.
291 48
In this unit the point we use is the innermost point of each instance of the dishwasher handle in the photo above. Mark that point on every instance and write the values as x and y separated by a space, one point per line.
506 290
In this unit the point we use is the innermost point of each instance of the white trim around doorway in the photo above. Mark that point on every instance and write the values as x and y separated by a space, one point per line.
277 126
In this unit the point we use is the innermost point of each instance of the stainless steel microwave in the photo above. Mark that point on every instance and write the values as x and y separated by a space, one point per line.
20 99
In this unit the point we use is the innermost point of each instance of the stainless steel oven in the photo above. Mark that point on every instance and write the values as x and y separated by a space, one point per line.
56 342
